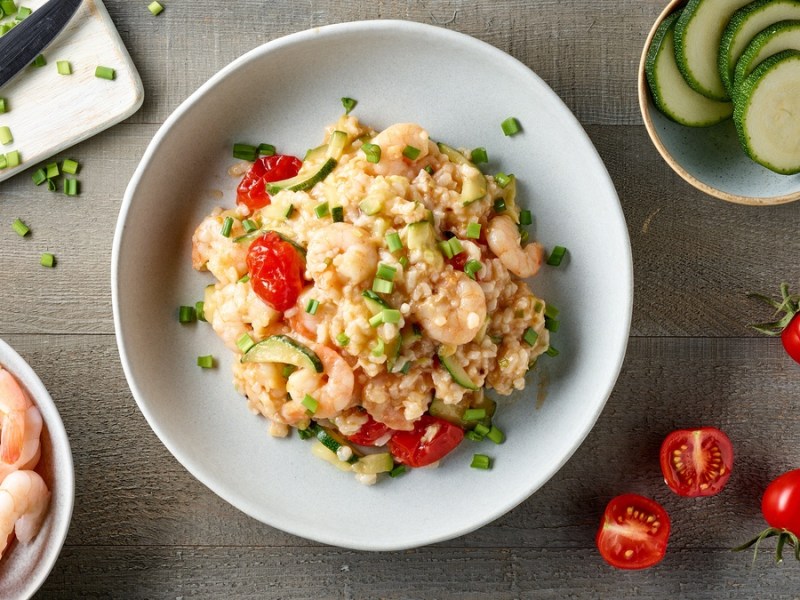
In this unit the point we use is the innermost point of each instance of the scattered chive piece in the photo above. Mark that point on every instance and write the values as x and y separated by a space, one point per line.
382 286
523 236
349 104
510 126
376 320
474 436
63 67
551 311
403 260
551 351
13 159
69 166
406 368
5 135
312 306
391 315
472 267
3 106
474 414
105 73
205 362
39 176
227 224
556 256
393 242
337 214
288 370
245 342
244 278
287 214
20 227
39 61
322 210
343 339
155 8
446 249
386 272
525 217
481 429
479 156
530 336
411 153
9 7
187 314
3 161
474 231
266 150
200 309
428 169
244 151
372 152
249 225
22 13
502 180
551 324
48 260
304 434
499 205
397 471
455 246
481 461
70 187
51 185
379 349
496 435
52 170
310 403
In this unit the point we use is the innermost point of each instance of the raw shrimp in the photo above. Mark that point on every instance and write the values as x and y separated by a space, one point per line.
503 238
23 503
455 311
332 389
339 254
393 141
14 403
31 448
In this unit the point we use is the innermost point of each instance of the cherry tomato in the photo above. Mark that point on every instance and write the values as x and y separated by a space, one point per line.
458 261
633 532
696 462
429 441
781 502
790 338
276 270
252 190
370 432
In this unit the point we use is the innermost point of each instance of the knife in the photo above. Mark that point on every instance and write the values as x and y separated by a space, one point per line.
27 39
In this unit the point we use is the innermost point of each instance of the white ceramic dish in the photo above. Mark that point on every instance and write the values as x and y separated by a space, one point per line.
285 92
25 567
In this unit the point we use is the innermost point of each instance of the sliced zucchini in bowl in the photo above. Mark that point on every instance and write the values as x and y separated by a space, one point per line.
780 36
284 350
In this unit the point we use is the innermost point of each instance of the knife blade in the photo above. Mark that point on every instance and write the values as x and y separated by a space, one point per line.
33 34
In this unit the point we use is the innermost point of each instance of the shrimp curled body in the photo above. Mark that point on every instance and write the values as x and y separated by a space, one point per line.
332 389
456 310
503 238
14 404
24 498
341 254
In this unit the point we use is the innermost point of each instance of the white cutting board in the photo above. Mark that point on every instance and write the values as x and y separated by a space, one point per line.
48 112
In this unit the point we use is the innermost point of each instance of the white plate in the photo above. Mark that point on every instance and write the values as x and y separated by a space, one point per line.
284 93
25 567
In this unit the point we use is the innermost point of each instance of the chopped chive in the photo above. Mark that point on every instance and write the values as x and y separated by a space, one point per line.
70 166
288 370
382 286
63 67
393 242
337 214
349 104
398 471
497 436
556 256
481 429
310 403
22 13
187 314
304 434
343 339
266 150
9 7
502 180
530 336
551 351
155 8
52 170
403 260
406 368
446 249
245 342
551 311
510 126
473 435
525 217
3 106
411 153
499 205
376 320
481 461
372 152
322 210
249 225
288 212
428 169
523 236
39 176
474 231
472 267
227 224
474 414
105 73
311 306
71 187
379 349
479 156
200 309
391 315
205 362
20 227
3 161
5 135
245 151
39 61
13 159
455 246
551 324
48 260
386 272
51 185
244 278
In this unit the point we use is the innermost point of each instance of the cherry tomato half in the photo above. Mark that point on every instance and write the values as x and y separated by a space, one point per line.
276 270
633 533
696 462
781 502
370 432
790 338
429 441
252 190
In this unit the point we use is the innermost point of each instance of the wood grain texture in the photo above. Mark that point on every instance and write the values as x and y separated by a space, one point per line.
144 528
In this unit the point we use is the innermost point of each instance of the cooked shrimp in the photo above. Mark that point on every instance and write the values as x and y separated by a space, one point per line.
332 389
23 503
307 324
31 448
393 141
212 251
504 240
455 311
14 403
341 253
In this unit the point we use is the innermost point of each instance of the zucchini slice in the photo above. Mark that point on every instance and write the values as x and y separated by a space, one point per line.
474 186
285 350
374 463
670 92
780 36
767 113
698 32
744 25
457 372
303 182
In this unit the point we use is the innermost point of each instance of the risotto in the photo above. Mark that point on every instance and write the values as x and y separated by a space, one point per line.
372 292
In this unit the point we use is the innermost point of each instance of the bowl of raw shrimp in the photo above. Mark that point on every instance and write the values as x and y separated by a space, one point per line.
37 482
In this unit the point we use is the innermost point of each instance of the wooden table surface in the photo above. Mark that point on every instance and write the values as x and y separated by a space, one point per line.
144 528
